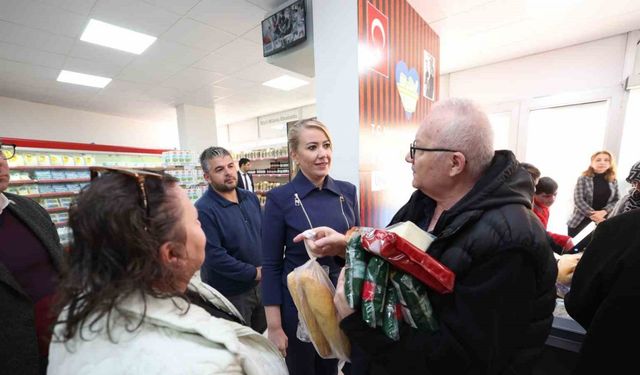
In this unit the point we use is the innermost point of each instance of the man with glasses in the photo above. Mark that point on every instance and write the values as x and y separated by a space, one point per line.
30 263
477 203
231 220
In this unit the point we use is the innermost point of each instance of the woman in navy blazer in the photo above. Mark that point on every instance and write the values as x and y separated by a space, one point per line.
310 200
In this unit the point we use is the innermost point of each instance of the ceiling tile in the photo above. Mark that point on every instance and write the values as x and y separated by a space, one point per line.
98 68
20 90
148 72
42 16
93 52
81 7
234 83
38 39
254 35
28 74
234 16
262 72
171 53
180 7
135 15
31 56
198 35
191 79
232 57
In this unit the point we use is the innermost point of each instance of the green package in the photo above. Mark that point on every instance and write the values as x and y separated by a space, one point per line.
392 314
374 290
414 301
355 268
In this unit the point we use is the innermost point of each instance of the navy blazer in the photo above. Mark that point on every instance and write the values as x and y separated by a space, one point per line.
335 206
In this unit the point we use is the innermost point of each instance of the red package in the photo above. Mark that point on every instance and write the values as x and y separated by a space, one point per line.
405 256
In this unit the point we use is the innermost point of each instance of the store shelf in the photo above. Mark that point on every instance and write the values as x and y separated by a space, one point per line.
62 224
23 182
57 181
279 158
54 210
35 167
52 195
270 175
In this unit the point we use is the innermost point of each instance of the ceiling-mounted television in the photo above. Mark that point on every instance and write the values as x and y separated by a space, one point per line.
284 29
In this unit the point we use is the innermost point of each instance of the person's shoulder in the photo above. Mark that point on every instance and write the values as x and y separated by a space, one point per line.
281 192
623 220
22 203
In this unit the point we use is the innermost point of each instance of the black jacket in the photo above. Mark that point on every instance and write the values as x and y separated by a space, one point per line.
499 315
18 343
605 297
241 181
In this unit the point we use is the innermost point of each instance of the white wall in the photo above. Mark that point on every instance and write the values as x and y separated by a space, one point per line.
594 65
22 119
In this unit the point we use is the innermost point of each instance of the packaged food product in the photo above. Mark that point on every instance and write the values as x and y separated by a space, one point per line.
392 315
312 293
405 256
373 291
414 301
355 267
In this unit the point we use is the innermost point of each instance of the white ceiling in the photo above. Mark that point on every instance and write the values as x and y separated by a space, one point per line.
208 51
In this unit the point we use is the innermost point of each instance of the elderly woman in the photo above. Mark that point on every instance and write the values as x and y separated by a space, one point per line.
131 301
311 199
631 201
595 194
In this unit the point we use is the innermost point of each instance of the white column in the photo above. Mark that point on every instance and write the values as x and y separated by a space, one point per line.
196 128
335 35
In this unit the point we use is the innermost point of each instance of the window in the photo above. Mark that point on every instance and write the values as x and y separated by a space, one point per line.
500 122
560 141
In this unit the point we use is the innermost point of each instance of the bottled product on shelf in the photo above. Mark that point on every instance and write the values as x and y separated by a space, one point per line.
183 165
270 168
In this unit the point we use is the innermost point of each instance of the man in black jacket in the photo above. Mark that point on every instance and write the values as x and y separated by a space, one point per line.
30 262
477 203
605 297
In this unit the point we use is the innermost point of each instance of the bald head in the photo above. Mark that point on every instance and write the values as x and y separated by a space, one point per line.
459 124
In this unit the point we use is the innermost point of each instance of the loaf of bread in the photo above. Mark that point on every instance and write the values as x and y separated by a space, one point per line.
315 332
320 299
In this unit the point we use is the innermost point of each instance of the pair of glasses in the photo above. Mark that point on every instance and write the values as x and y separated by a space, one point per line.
7 150
413 148
139 175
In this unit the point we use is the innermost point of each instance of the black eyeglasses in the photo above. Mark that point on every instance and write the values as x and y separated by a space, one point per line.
7 151
413 148
139 175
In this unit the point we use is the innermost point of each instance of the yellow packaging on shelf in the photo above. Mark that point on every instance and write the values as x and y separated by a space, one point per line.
78 160
23 190
89 160
30 160
55 159
33 189
16 161
43 159
67 161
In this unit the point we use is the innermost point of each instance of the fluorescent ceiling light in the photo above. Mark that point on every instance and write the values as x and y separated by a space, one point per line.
104 34
83 79
286 83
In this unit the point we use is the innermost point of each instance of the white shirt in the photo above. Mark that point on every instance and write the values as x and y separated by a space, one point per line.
247 181
4 202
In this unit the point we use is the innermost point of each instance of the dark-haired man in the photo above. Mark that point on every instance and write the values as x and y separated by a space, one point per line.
245 180
231 220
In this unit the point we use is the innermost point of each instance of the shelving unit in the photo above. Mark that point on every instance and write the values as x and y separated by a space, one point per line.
53 173
269 168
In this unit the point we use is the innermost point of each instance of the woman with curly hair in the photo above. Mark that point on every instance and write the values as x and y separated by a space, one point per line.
130 301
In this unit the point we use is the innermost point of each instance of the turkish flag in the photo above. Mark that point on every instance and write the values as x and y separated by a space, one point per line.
378 39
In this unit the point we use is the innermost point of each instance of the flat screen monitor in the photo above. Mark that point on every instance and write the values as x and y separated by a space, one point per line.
284 29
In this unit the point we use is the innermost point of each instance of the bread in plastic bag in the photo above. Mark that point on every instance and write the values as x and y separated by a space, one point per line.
312 293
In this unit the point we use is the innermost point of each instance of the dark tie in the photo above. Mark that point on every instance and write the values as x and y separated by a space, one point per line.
246 181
